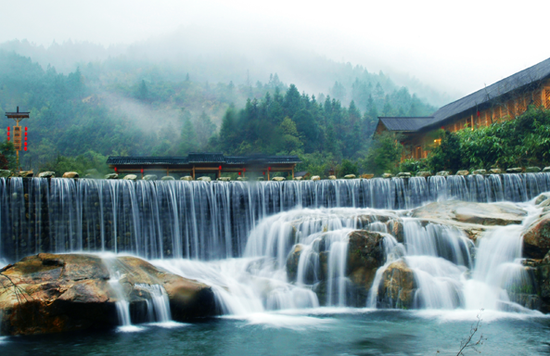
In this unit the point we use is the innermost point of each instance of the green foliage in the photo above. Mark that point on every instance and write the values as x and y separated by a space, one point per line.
414 166
348 167
384 154
8 158
80 164
524 141
448 155
129 107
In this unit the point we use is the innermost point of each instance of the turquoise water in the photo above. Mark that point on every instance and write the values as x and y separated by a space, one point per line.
319 332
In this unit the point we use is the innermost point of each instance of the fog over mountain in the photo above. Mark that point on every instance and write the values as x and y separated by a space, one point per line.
453 48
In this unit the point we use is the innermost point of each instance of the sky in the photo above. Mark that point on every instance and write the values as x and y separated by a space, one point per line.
457 46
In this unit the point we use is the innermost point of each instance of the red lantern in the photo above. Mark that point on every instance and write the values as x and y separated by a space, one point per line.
269 169
116 170
25 148
239 173
142 171
244 170
263 173
220 168
25 129
8 129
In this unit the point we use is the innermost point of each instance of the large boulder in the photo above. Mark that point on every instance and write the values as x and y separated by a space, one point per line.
49 293
543 281
472 218
536 238
70 175
398 287
365 256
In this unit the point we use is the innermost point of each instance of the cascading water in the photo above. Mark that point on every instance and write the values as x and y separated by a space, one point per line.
207 221
278 245
158 306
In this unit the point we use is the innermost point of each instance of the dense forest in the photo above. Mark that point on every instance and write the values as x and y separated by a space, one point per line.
120 106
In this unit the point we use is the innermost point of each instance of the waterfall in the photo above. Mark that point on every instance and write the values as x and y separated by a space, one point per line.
158 306
203 220
266 246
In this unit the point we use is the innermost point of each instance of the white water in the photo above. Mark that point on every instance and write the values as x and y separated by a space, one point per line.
446 275
158 306
122 304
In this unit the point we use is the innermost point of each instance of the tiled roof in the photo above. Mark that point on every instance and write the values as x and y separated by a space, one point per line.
193 158
505 86
406 124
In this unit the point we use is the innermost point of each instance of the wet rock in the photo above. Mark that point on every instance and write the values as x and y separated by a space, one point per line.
480 171
398 287
367 176
292 262
168 178
47 174
542 198
70 175
532 169
26 174
332 177
150 177
278 179
462 173
387 175
365 256
543 281
130 177
350 176
224 179
295 178
403 175
444 173
473 213
424 174
49 293
536 239
188 178
546 169
514 170
258 179
495 171
111 176
315 178
396 229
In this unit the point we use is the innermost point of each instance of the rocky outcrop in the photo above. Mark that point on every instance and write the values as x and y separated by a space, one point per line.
365 256
5 173
424 174
398 287
70 175
132 177
47 174
111 176
543 281
49 293
150 177
470 217
536 238
168 178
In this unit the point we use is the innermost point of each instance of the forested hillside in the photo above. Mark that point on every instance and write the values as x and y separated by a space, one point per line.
124 106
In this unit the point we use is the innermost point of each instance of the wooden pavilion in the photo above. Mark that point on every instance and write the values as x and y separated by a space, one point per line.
205 163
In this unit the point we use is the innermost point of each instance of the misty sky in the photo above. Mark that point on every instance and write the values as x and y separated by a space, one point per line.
458 46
